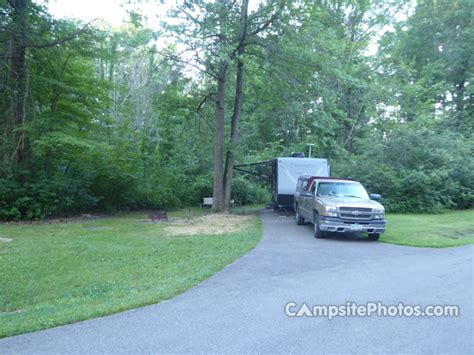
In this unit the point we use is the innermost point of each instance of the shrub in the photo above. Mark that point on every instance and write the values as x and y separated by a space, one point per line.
416 170
245 192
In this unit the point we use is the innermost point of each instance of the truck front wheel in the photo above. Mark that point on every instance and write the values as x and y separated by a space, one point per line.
374 236
318 233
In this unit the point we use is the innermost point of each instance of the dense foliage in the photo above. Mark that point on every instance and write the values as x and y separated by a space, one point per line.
101 119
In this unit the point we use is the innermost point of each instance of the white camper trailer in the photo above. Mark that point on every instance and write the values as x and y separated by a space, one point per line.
285 173
281 174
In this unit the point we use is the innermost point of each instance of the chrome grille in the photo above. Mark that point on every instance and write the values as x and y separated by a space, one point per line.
355 213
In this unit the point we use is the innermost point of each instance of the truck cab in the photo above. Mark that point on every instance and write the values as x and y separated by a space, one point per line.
338 205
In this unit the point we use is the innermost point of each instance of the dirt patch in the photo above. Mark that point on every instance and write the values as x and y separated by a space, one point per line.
98 228
450 234
12 312
210 224
5 240
468 233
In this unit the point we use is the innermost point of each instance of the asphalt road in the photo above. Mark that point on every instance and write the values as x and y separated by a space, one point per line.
241 308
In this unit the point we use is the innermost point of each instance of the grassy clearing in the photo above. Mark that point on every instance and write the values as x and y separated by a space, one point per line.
448 229
59 273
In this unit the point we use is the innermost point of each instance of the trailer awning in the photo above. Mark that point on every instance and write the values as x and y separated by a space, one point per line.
261 169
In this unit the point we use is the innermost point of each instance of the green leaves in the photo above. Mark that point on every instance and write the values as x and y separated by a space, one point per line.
114 121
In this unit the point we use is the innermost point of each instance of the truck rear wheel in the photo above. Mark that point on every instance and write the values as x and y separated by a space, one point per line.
374 236
299 219
318 233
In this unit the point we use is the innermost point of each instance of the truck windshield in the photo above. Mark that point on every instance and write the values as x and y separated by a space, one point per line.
342 189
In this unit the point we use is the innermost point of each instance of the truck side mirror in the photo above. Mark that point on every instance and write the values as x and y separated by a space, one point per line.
375 197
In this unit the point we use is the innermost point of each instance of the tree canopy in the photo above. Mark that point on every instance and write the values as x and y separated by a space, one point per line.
94 118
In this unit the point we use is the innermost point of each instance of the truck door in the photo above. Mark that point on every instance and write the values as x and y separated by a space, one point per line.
309 201
302 198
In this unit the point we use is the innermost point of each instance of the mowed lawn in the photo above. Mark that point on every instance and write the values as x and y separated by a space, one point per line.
447 229
54 274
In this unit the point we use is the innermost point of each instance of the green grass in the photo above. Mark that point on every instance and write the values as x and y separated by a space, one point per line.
447 229
59 273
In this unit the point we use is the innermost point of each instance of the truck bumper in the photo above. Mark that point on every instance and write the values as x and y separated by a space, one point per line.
344 226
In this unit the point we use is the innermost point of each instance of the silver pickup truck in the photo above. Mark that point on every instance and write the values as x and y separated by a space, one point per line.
338 205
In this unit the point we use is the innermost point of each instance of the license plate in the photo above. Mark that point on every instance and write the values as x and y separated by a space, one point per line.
356 227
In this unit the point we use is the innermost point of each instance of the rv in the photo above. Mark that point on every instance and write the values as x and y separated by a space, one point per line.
285 174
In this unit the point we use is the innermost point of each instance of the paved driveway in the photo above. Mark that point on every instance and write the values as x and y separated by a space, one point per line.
241 309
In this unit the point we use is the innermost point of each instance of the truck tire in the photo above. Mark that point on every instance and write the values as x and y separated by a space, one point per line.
318 233
374 236
299 219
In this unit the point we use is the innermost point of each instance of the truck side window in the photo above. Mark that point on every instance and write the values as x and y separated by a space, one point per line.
305 185
298 186
313 188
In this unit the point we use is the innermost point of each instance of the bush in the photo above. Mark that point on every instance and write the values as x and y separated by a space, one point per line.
245 192
54 195
201 187
415 169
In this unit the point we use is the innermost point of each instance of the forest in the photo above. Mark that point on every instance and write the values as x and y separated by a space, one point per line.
100 119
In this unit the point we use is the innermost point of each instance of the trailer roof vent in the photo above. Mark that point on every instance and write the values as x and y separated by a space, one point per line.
297 154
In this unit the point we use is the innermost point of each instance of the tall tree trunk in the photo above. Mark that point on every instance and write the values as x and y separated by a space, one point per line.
234 135
218 191
19 75
234 130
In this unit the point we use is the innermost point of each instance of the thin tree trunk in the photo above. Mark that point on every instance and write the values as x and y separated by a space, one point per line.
19 73
218 191
222 75
234 130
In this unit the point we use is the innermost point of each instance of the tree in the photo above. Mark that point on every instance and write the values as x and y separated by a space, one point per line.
24 31
427 61
94 118
218 34
16 58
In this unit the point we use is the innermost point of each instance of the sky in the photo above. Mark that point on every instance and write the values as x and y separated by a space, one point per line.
112 11
115 11
88 10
